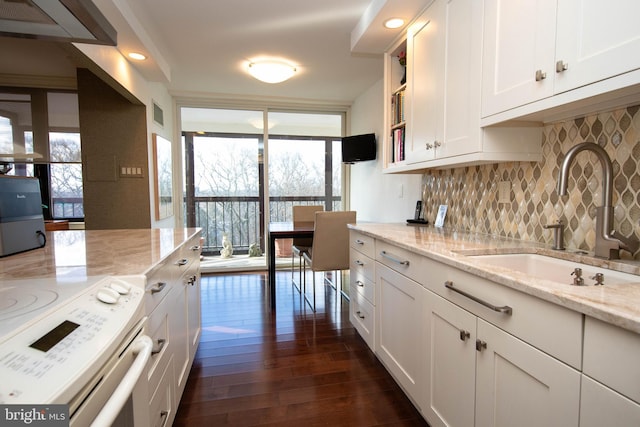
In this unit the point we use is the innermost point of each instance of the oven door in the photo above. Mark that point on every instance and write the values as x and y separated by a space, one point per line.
118 394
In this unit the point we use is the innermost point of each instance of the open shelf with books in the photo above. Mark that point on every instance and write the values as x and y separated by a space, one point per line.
395 105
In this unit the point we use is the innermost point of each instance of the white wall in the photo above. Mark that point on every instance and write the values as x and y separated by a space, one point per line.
376 196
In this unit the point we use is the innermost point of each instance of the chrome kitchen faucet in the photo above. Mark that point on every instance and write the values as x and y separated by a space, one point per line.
608 243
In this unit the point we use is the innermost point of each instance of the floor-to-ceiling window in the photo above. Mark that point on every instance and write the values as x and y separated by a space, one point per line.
40 136
229 190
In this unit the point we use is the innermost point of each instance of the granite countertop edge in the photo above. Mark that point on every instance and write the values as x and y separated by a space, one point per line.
615 304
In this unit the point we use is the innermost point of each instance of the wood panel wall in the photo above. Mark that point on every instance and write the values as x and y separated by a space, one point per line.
114 135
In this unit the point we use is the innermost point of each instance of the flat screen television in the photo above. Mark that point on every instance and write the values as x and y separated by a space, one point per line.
359 148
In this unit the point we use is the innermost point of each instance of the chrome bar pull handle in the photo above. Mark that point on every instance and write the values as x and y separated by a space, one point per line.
394 258
464 335
360 263
359 283
195 248
359 315
182 262
359 242
504 309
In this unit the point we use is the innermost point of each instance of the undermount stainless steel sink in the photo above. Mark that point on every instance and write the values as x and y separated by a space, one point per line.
556 270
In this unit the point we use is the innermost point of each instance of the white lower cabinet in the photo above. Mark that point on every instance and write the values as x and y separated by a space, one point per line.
611 376
400 342
173 309
470 352
601 406
519 385
477 374
450 363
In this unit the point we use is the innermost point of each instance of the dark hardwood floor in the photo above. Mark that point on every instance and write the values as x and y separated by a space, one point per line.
288 368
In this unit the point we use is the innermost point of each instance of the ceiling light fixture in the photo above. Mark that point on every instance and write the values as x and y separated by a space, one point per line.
137 56
271 71
394 23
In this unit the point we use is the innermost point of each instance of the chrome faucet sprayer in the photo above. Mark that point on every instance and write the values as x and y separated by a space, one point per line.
607 246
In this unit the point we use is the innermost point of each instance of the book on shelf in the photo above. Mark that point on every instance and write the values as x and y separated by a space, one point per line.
397 144
397 107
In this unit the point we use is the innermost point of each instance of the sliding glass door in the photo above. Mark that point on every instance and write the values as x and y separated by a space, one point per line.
230 191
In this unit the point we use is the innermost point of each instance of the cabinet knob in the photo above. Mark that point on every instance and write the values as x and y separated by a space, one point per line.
437 144
480 345
540 75
428 146
158 287
464 335
561 66
161 342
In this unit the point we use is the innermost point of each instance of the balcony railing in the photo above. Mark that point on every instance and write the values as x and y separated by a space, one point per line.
67 207
240 218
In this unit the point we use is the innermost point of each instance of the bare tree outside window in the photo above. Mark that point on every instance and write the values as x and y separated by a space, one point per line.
66 175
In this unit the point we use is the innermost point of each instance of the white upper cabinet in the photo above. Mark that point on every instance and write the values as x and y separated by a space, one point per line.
443 94
425 56
596 40
536 50
519 46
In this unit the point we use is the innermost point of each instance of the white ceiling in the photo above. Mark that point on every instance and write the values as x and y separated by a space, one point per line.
198 48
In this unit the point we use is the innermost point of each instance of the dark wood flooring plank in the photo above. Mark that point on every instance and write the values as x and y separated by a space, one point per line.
293 367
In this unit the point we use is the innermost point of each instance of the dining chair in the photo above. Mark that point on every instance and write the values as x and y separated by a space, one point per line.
330 247
301 214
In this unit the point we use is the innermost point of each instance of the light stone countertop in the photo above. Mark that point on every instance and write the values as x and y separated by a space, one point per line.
618 304
82 254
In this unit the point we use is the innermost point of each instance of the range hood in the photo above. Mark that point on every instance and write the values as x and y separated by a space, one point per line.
59 20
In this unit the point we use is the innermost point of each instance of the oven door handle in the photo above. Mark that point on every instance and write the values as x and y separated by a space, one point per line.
141 347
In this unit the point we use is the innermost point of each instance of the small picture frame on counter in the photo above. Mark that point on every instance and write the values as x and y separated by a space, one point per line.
442 213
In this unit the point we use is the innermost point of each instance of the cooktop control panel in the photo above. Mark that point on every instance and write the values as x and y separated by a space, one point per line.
51 359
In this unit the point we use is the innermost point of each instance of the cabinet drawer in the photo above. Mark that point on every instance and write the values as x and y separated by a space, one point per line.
611 357
158 327
403 261
362 264
161 408
159 283
531 318
362 317
363 243
363 284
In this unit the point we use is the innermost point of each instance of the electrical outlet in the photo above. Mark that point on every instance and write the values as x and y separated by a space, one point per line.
504 192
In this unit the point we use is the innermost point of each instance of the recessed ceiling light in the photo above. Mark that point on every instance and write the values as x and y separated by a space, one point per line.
137 56
271 70
394 23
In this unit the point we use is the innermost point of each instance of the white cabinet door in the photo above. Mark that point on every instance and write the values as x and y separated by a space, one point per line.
601 406
519 42
425 53
518 385
596 40
400 341
462 26
450 364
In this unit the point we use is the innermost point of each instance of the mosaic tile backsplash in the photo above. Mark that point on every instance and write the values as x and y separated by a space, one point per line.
471 193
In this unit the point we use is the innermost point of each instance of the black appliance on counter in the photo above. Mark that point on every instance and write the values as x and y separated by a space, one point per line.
21 219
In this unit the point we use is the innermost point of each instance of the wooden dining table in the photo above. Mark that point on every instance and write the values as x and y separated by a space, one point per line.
283 230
